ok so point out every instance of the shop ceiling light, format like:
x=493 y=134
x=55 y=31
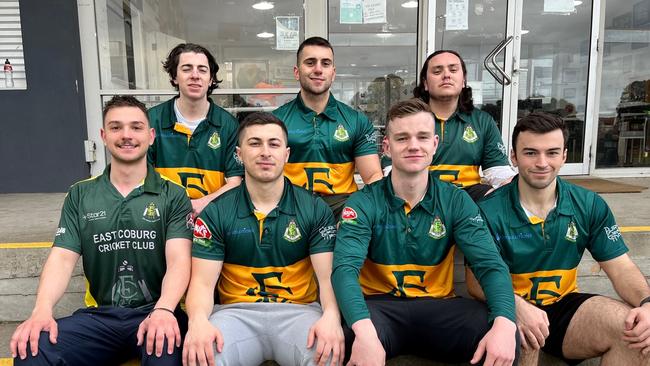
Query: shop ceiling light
x=263 y=5
x=524 y=31
x=265 y=35
x=384 y=35
x=410 y=4
x=577 y=3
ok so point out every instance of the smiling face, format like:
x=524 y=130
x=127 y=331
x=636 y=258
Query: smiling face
x=193 y=75
x=539 y=157
x=411 y=142
x=445 y=78
x=127 y=135
x=263 y=151
x=315 y=70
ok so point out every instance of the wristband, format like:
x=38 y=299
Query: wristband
x=172 y=311
x=647 y=299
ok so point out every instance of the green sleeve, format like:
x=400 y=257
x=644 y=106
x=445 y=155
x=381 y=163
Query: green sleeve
x=67 y=234
x=179 y=219
x=208 y=240
x=350 y=252
x=323 y=232
x=494 y=151
x=473 y=238
x=365 y=142
x=605 y=239
x=234 y=168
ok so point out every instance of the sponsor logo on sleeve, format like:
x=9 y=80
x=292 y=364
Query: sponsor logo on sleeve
x=349 y=216
x=502 y=148
x=60 y=231
x=292 y=233
x=613 y=233
x=214 y=142
x=202 y=234
x=189 y=221
x=469 y=135
x=476 y=219
x=151 y=213
x=237 y=159
x=328 y=232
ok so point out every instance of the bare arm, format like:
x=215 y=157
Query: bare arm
x=201 y=334
x=369 y=168
x=628 y=281
x=327 y=330
x=53 y=282
x=199 y=204
x=161 y=324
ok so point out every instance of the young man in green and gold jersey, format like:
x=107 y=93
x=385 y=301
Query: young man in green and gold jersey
x=394 y=258
x=132 y=229
x=195 y=143
x=469 y=138
x=267 y=247
x=542 y=225
x=328 y=139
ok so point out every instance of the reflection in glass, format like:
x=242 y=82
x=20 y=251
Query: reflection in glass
x=623 y=131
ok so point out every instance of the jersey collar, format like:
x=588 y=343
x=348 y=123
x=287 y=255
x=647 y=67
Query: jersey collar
x=331 y=111
x=285 y=206
x=563 y=206
x=170 y=119
x=152 y=181
x=462 y=117
x=396 y=203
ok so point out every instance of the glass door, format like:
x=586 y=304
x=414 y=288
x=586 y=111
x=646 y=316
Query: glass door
x=526 y=56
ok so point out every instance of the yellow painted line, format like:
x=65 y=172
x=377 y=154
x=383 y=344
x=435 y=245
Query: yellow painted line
x=46 y=244
x=43 y=244
x=634 y=229
x=6 y=361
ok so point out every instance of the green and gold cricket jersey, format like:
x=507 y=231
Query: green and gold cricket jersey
x=266 y=258
x=199 y=161
x=324 y=146
x=122 y=239
x=467 y=142
x=543 y=256
x=385 y=247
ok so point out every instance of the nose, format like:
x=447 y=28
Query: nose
x=412 y=144
x=318 y=67
x=195 y=73
x=542 y=160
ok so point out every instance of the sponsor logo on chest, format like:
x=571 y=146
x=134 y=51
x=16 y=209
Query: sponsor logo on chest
x=93 y=216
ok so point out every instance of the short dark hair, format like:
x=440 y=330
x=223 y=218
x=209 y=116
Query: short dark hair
x=539 y=122
x=406 y=108
x=170 y=65
x=465 y=101
x=123 y=101
x=313 y=41
x=261 y=118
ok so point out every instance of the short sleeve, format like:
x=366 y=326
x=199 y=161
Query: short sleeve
x=494 y=150
x=208 y=240
x=323 y=233
x=179 y=220
x=366 y=139
x=605 y=239
x=67 y=234
x=234 y=167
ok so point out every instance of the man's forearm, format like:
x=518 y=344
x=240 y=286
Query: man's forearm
x=55 y=277
x=173 y=287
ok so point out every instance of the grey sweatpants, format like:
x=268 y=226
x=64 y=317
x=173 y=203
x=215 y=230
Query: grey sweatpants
x=255 y=332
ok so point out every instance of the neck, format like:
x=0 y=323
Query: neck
x=193 y=109
x=315 y=102
x=410 y=187
x=445 y=107
x=265 y=195
x=125 y=177
x=538 y=201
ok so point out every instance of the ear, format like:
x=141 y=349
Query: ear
x=385 y=146
x=513 y=157
x=436 y=140
x=238 y=152
x=152 y=134
x=102 y=133
x=296 y=73
x=564 y=155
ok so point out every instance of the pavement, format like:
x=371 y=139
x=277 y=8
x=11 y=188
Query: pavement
x=28 y=223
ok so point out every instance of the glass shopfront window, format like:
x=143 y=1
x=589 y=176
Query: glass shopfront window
x=135 y=36
x=623 y=124
x=375 y=52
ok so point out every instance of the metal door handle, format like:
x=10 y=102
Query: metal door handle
x=491 y=57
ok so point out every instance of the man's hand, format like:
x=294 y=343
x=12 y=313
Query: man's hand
x=30 y=330
x=199 y=204
x=199 y=343
x=328 y=336
x=532 y=323
x=367 y=350
x=160 y=324
x=637 y=329
x=498 y=345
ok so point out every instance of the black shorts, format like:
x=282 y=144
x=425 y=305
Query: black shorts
x=559 y=316
x=477 y=191
x=444 y=330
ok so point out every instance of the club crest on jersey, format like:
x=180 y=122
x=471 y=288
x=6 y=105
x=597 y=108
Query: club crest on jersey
x=437 y=229
x=571 y=232
x=341 y=134
x=202 y=234
x=349 y=216
x=214 y=142
x=151 y=213
x=292 y=233
x=469 y=135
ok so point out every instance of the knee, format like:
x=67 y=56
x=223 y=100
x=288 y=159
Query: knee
x=164 y=359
